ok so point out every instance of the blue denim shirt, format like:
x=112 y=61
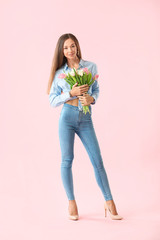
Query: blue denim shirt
x=59 y=85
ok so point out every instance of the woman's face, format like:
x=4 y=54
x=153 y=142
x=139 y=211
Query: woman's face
x=69 y=49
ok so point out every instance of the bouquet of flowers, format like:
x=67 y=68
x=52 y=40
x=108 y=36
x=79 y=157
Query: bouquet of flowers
x=81 y=76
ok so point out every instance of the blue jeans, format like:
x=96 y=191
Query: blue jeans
x=73 y=121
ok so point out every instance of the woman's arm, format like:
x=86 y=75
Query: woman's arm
x=95 y=86
x=95 y=91
x=91 y=98
x=55 y=96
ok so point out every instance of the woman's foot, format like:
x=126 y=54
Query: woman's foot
x=112 y=207
x=73 y=211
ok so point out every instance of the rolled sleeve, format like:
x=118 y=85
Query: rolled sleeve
x=55 y=96
x=95 y=86
x=95 y=91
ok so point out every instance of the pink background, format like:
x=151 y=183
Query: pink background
x=122 y=38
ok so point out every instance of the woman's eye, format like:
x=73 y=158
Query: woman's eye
x=72 y=46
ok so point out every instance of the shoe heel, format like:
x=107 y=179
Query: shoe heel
x=105 y=212
x=113 y=217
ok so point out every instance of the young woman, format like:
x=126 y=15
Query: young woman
x=72 y=120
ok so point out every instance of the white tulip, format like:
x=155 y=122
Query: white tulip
x=80 y=72
x=72 y=73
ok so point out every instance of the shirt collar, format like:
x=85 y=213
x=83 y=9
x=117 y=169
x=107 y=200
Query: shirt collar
x=81 y=64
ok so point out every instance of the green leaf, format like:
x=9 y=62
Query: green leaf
x=91 y=82
x=84 y=78
x=72 y=81
x=68 y=82
x=89 y=77
x=76 y=75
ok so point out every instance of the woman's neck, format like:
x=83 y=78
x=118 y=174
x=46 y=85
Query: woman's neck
x=73 y=63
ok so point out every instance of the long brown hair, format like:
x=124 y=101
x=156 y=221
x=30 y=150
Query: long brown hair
x=59 y=59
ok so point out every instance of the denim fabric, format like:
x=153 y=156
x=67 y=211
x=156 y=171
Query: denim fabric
x=73 y=121
x=56 y=97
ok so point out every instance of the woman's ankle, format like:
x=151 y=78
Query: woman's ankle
x=110 y=201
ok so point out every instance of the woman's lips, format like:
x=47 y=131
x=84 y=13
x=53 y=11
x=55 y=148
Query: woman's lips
x=71 y=54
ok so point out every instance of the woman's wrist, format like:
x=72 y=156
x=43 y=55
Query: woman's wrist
x=71 y=93
x=92 y=99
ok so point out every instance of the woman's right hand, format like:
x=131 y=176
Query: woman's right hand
x=76 y=91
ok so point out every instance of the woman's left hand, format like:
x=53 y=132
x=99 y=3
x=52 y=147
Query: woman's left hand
x=86 y=99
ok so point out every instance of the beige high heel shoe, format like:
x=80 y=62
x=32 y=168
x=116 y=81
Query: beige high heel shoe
x=73 y=217
x=114 y=217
